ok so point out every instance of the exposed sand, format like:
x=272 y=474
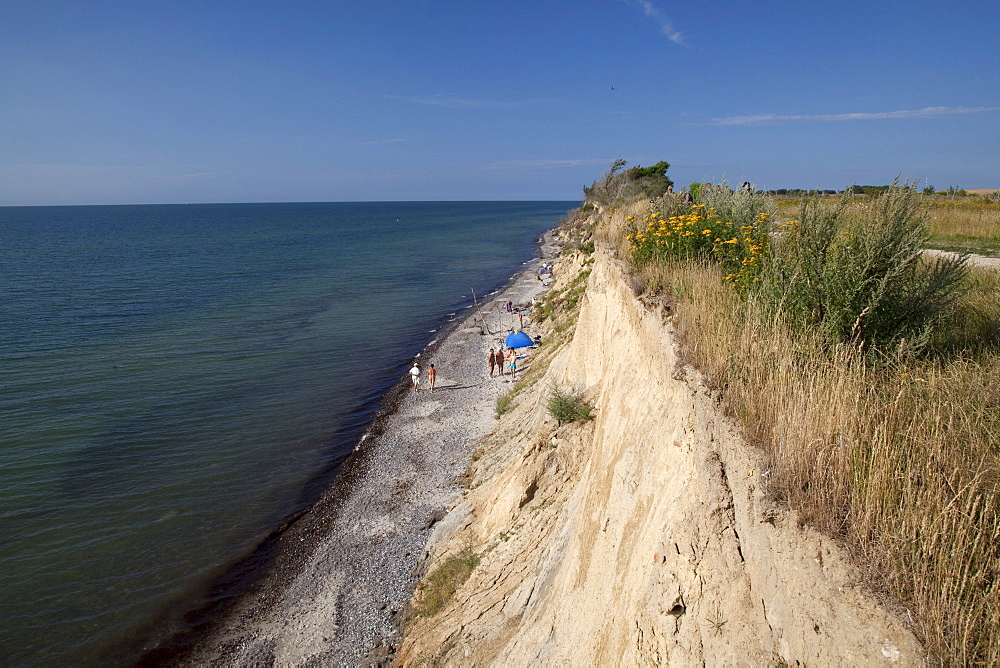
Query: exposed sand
x=644 y=536
x=343 y=572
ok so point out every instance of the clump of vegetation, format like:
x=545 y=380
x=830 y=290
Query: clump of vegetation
x=620 y=185
x=437 y=590
x=504 y=401
x=563 y=303
x=578 y=229
x=856 y=275
x=860 y=278
x=731 y=228
x=568 y=406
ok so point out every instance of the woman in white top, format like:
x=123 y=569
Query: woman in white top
x=415 y=376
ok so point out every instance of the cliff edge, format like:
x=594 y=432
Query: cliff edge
x=643 y=536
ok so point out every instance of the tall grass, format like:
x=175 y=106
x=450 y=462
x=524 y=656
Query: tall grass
x=896 y=454
x=972 y=223
x=968 y=223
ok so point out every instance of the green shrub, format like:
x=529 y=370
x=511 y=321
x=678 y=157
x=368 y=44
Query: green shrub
x=695 y=190
x=859 y=277
x=568 y=406
x=630 y=185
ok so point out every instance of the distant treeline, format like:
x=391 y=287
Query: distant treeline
x=953 y=191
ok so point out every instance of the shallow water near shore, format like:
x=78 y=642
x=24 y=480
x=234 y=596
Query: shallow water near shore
x=176 y=378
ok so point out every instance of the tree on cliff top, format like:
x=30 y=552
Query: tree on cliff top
x=618 y=186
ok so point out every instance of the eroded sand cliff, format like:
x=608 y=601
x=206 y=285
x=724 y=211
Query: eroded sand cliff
x=644 y=536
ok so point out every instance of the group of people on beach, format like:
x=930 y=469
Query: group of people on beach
x=497 y=359
x=415 y=376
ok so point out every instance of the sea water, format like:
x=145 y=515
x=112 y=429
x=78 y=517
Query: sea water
x=174 y=378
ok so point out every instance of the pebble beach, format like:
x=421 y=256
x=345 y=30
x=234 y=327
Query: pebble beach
x=336 y=580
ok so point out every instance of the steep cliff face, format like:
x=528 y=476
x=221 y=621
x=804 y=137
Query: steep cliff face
x=643 y=536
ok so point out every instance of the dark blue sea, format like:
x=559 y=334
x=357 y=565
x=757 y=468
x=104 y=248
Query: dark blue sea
x=173 y=378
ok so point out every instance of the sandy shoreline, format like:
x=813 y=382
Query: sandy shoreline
x=340 y=575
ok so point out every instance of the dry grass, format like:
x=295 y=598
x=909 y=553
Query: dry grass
x=435 y=592
x=899 y=457
x=972 y=224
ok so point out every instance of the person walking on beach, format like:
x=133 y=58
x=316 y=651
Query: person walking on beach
x=500 y=362
x=415 y=376
x=431 y=375
x=512 y=359
x=492 y=359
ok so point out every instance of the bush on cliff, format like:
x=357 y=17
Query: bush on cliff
x=618 y=186
x=729 y=227
x=568 y=406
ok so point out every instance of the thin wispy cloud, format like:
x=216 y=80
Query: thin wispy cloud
x=379 y=141
x=655 y=14
x=455 y=102
x=545 y=163
x=925 y=112
x=196 y=176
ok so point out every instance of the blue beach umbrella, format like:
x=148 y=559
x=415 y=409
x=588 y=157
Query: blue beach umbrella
x=518 y=340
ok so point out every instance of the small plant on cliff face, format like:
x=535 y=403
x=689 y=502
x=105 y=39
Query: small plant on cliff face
x=716 y=622
x=442 y=584
x=568 y=406
x=503 y=403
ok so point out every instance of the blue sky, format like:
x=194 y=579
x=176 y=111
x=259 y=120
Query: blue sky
x=146 y=102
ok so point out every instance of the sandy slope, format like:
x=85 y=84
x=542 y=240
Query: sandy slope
x=644 y=536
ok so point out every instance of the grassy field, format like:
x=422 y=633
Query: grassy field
x=892 y=449
x=958 y=224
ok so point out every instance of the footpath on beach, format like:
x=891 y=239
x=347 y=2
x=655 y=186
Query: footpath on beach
x=342 y=574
